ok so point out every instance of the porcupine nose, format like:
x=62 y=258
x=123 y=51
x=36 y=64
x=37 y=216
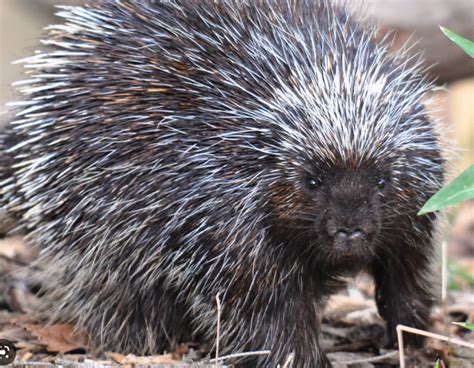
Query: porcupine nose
x=349 y=234
x=342 y=232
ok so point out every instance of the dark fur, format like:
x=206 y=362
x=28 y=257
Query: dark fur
x=155 y=174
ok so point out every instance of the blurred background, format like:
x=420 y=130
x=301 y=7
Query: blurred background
x=413 y=21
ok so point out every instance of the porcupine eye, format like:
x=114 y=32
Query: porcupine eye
x=312 y=183
x=381 y=183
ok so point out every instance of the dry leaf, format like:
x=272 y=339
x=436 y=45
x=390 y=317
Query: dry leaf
x=142 y=360
x=58 y=338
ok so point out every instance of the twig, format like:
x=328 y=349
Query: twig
x=240 y=355
x=218 y=302
x=416 y=331
x=218 y=359
x=401 y=348
x=444 y=271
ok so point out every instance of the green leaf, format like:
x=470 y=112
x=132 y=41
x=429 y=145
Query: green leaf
x=460 y=189
x=469 y=326
x=437 y=364
x=464 y=43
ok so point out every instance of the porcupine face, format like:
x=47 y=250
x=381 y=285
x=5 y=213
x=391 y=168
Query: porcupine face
x=336 y=213
x=345 y=213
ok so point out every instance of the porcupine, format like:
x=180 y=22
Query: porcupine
x=167 y=152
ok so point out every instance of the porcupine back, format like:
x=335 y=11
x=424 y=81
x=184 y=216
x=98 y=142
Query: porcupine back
x=153 y=138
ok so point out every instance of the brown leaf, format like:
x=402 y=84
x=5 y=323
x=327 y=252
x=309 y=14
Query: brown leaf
x=351 y=311
x=180 y=351
x=142 y=360
x=119 y=358
x=58 y=338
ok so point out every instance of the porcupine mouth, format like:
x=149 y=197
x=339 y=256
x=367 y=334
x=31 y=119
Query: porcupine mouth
x=355 y=250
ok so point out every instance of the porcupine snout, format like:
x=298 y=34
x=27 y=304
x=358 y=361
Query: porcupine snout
x=354 y=215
